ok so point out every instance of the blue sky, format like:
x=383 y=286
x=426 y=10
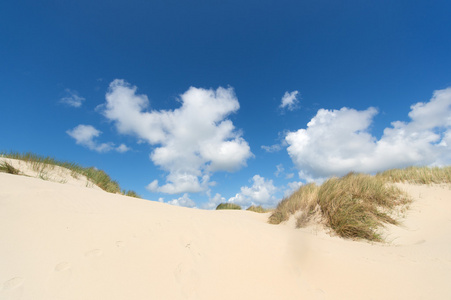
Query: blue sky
x=199 y=102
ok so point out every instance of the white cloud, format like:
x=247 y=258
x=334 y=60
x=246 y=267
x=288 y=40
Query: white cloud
x=336 y=142
x=122 y=148
x=184 y=201
x=192 y=141
x=85 y=135
x=260 y=193
x=290 y=100
x=72 y=98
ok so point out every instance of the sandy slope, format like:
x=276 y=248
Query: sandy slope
x=61 y=241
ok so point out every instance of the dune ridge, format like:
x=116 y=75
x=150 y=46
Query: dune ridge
x=66 y=241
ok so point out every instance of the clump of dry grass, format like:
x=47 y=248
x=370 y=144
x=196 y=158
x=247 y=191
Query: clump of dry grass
x=305 y=198
x=353 y=206
x=356 y=205
x=418 y=175
x=257 y=209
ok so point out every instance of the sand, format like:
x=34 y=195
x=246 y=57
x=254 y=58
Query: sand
x=67 y=241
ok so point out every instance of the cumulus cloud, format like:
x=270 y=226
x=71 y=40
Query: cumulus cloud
x=191 y=141
x=336 y=142
x=72 y=98
x=290 y=100
x=260 y=193
x=85 y=135
x=184 y=201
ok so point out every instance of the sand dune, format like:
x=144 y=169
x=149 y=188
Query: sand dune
x=66 y=241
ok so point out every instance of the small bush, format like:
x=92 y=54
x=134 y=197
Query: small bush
x=257 y=209
x=228 y=206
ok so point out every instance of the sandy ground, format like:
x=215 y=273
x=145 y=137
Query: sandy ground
x=66 y=241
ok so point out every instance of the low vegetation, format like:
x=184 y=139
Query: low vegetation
x=257 y=209
x=42 y=164
x=356 y=205
x=228 y=206
x=5 y=167
x=418 y=175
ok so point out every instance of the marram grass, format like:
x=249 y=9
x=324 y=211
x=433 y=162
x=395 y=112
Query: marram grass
x=418 y=175
x=41 y=164
x=257 y=209
x=356 y=205
x=228 y=206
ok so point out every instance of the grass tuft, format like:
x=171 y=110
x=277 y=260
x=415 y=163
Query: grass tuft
x=257 y=209
x=131 y=194
x=228 y=206
x=356 y=205
x=353 y=206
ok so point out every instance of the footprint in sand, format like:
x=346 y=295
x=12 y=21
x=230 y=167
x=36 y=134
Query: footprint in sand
x=62 y=266
x=94 y=253
x=13 y=283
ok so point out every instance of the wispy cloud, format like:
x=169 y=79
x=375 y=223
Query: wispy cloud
x=336 y=142
x=260 y=193
x=72 y=98
x=272 y=148
x=192 y=141
x=85 y=135
x=290 y=100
